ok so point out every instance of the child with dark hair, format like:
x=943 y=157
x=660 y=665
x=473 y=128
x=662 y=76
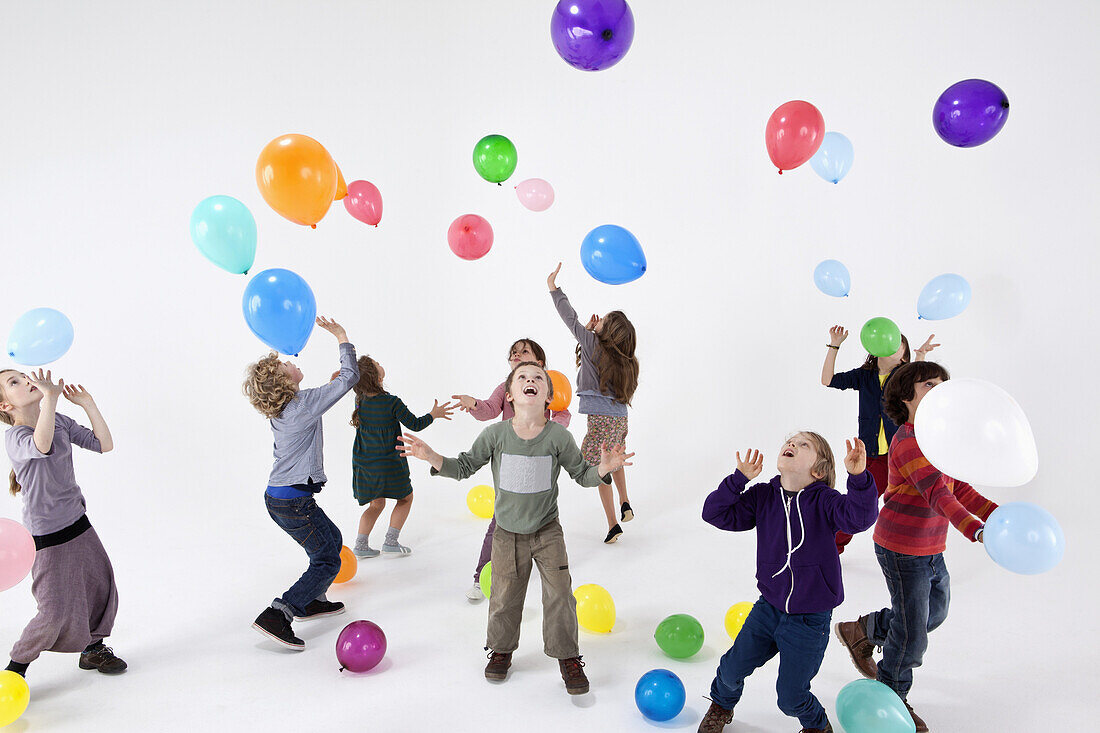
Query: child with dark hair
x=910 y=538
x=876 y=428
x=377 y=471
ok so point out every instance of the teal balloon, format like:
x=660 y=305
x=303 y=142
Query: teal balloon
x=679 y=636
x=868 y=706
x=40 y=336
x=833 y=159
x=225 y=232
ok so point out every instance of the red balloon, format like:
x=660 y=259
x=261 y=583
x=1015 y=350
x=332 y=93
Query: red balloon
x=364 y=202
x=794 y=133
x=470 y=237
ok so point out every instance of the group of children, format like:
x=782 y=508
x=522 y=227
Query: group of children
x=803 y=523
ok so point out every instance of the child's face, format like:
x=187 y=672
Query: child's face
x=18 y=392
x=529 y=387
x=920 y=389
x=292 y=371
x=797 y=456
x=521 y=352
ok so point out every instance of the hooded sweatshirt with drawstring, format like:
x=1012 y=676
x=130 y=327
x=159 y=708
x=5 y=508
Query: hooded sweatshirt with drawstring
x=797 y=564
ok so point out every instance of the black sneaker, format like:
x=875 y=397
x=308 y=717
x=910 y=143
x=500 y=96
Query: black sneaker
x=101 y=657
x=613 y=535
x=320 y=609
x=273 y=624
x=625 y=512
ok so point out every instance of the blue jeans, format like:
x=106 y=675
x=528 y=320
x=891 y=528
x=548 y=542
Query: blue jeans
x=799 y=639
x=920 y=593
x=311 y=528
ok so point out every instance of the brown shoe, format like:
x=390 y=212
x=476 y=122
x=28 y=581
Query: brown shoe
x=576 y=683
x=827 y=729
x=101 y=657
x=922 y=727
x=497 y=668
x=716 y=718
x=853 y=635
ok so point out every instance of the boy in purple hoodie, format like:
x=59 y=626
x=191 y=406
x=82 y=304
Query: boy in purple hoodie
x=796 y=515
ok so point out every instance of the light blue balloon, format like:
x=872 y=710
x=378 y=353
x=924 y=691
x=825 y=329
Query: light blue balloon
x=945 y=296
x=280 y=309
x=224 y=230
x=1024 y=538
x=660 y=695
x=831 y=277
x=612 y=255
x=40 y=336
x=868 y=706
x=833 y=159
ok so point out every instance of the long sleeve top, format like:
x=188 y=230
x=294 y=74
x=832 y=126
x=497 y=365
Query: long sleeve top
x=496 y=404
x=592 y=400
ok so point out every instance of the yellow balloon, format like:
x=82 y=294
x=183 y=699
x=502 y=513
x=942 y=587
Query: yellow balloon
x=595 y=608
x=14 y=696
x=480 y=501
x=735 y=617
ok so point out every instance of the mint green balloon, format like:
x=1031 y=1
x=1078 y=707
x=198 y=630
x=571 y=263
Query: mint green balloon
x=868 y=706
x=485 y=580
x=881 y=337
x=495 y=158
x=679 y=636
x=223 y=229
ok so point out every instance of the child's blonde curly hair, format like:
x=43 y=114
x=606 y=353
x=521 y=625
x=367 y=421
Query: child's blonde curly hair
x=268 y=387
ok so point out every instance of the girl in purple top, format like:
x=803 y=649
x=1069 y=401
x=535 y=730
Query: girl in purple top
x=74 y=584
x=521 y=351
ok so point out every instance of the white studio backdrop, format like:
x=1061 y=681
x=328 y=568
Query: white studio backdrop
x=119 y=117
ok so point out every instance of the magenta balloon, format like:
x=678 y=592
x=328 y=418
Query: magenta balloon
x=360 y=646
x=364 y=202
x=16 y=553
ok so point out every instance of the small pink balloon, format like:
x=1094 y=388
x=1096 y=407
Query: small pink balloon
x=470 y=237
x=535 y=194
x=360 y=646
x=16 y=553
x=364 y=202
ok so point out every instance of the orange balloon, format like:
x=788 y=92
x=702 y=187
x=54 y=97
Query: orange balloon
x=298 y=178
x=348 y=566
x=563 y=392
x=341 y=185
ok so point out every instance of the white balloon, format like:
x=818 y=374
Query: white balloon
x=974 y=431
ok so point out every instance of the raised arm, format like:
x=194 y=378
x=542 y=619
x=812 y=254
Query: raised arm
x=99 y=438
x=486 y=409
x=584 y=337
x=318 y=400
x=837 y=334
x=464 y=466
x=44 y=428
x=925 y=349
x=730 y=506
x=857 y=510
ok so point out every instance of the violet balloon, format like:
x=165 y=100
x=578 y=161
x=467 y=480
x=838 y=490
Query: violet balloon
x=592 y=35
x=360 y=646
x=535 y=194
x=970 y=113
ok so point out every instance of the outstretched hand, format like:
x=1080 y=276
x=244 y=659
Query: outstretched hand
x=465 y=402
x=752 y=465
x=78 y=395
x=550 y=281
x=45 y=384
x=614 y=459
x=411 y=446
x=442 y=411
x=332 y=327
x=926 y=348
x=837 y=334
x=856 y=460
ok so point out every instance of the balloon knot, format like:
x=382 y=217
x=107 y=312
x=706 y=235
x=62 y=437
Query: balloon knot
x=1004 y=104
x=780 y=171
x=312 y=226
x=607 y=34
x=341 y=669
x=500 y=184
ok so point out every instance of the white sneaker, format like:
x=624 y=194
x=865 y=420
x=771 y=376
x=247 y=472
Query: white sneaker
x=397 y=550
x=474 y=594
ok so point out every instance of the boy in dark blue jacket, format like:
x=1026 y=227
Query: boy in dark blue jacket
x=797 y=515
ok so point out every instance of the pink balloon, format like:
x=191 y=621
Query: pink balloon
x=535 y=194
x=470 y=237
x=16 y=553
x=360 y=646
x=364 y=202
x=794 y=133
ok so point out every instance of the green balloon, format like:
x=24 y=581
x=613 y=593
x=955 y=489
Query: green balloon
x=881 y=337
x=485 y=580
x=679 y=636
x=495 y=158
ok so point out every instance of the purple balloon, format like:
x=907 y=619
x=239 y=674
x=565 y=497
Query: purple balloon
x=970 y=113
x=592 y=35
x=360 y=646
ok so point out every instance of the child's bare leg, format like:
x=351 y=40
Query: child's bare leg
x=401 y=512
x=370 y=516
x=608 y=500
x=619 y=477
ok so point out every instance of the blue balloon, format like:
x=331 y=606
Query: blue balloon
x=280 y=309
x=831 y=277
x=868 y=706
x=612 y=255
x=1024 y=538
x=223 y=229
x=945 y=296
x=660 y=695
x=40 y=336
x=833 y=159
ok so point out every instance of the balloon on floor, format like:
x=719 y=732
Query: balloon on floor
x=660 y=695
x=970 y=113
x=880 y=336
x=945 y=296
x=833 y=159
x=973 y=431
x=14 y=696
x=360 y=646
x=16 y=553
x=480 y=500
x=563 y=391
x=595 y=608
x=793 y=134
x=831 y=277
x=535 y=194
x=612 y=255
x=868 y=706
x=680 y=636
x=495 y=158
x=592 y=35
x=349 y=565
x=1024 y=538
x=40 y=336
x=735 y=618
x=470 y=237
x=280 y=309
x=364 y=202
x=225 y=232
x=485 y=579
x=297 y=178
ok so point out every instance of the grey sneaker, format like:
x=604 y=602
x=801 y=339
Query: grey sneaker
x=397 y=550
x=474 y=594
x=363 y=551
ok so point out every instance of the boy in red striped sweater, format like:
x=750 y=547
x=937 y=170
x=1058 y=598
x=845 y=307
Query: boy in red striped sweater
x=910 y=537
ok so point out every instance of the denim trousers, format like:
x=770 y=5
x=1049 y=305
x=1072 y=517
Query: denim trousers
x=799 y=639
x=311 y=528
x=920 y=593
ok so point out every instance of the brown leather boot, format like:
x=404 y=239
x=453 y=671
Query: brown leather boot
x=853 y=635
x=827 y=729
x=716 y=719
x=922 y=727
x=576 y=683
x=497 y=668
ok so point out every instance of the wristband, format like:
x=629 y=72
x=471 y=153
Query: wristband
x=830 y=346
